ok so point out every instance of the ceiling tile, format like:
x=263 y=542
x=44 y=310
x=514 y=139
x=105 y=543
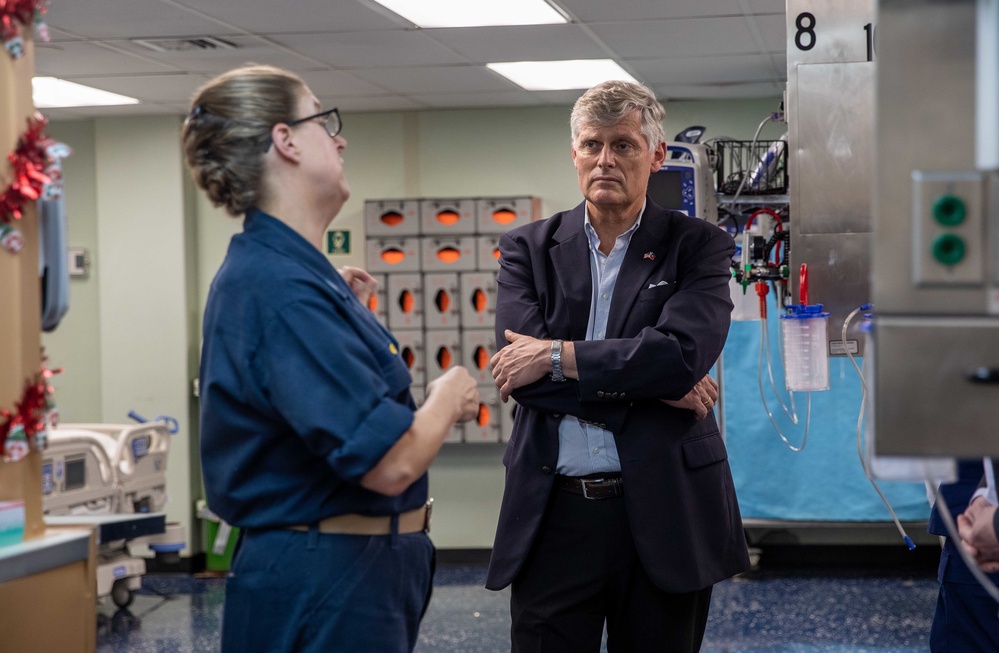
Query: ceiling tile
x=75 y=113
x=564 y=98
x=249 y=49
x=773 y=29
x=338 y=84
x=719 y=91
x=300 y=16
x=359 y=56
x=595 y=11
x=149 y=88
x=127 y=19
x=704 y=70
x=68 y=58
x=522 y=43
x=445 y=79
x=370 y=49
x=373 y=103
x=678 y=38
x=470 y=100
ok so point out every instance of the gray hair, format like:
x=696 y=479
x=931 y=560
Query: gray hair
x=226 y=134
x=609 y=102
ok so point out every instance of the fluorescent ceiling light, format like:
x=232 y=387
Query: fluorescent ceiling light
x=49 y=92
x=474 y=13
x=560 y=75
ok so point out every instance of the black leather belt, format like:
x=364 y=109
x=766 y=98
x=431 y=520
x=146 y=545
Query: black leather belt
x=597 y=487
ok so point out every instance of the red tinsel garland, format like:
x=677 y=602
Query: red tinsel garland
x=27 y=426
x=21 y=10
x=13 y=14
x=28 y=161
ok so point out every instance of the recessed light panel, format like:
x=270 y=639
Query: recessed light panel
x=474 y=13
x=51 y=92
x=560 y=75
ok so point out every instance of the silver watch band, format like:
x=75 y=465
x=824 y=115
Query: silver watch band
x=557 y=374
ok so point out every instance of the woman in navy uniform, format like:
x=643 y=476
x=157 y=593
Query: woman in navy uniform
x=310 y=440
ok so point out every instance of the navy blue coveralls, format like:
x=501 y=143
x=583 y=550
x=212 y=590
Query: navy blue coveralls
x=302 y=393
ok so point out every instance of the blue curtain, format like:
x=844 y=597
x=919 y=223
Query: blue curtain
x=825 y=481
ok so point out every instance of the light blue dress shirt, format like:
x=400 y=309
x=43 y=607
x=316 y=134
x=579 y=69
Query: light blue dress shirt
x=585 y=448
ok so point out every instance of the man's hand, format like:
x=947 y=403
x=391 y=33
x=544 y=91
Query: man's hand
x=700 y=399
x=362 y=283
x=522 y=362
x=978 y=535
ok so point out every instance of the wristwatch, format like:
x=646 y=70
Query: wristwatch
x=557 y=361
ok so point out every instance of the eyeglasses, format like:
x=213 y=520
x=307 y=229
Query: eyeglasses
x=330 y=120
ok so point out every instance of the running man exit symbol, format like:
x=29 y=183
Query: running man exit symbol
x=338 y=242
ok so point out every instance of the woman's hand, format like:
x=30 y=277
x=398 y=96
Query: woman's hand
x=457 y=386
x=362 y=283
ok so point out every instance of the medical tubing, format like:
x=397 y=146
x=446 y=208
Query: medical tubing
x=793 y=413
x=765 y=338
x=808 y=409
x=752 y=147
x=860 y=420
x=846 y=325
x=944 y=510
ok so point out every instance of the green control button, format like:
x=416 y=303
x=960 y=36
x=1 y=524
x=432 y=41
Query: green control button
x=948 y=249
x=949 y=210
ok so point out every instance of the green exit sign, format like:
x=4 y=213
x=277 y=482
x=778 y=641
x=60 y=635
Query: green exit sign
x=338 y=242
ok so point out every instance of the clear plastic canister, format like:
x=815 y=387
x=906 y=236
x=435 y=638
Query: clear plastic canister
x=806 y=360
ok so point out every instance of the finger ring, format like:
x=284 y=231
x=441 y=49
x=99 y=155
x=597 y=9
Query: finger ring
x=707 y=402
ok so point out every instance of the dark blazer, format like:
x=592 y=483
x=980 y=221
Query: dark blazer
x=661 y=339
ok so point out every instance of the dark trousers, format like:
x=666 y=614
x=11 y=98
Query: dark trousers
x=583 y=571
x=966 y=618
x=307 y=592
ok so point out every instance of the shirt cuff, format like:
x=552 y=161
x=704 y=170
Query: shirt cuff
x=371 y=440
x=981 y=492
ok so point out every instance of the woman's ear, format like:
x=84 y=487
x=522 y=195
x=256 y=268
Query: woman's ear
x=284 y=143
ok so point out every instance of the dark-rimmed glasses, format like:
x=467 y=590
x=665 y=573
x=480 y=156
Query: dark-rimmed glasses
x=330 y=120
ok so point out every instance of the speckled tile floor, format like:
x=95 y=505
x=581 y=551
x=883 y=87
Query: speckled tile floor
x=775 y=612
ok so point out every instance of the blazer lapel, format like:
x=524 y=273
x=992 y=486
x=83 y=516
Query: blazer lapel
x=645 y=254
x=571 y=261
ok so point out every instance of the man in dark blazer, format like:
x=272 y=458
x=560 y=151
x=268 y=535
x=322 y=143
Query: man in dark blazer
x=619 y=505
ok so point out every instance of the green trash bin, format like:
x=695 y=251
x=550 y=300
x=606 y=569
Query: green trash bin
x=219 y=540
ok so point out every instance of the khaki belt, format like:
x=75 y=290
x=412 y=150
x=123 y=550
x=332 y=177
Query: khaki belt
x=414 y=521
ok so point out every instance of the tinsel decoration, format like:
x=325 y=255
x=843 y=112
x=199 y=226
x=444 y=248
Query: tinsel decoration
x=16 y=14
x=27 y=427
x=36 y=167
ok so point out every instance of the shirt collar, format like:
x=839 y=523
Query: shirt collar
x=591 y=233
x=271 y=232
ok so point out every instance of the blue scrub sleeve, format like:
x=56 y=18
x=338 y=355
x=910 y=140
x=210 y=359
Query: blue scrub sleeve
x=339 y=389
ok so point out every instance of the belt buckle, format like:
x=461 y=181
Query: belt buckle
x=586 y=484
x=427 y=515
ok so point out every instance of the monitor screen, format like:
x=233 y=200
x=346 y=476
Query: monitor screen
x=666 y=188
x=76 y=474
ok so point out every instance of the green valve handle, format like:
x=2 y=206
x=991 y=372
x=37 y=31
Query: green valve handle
x=948 y=249
x=949 y=210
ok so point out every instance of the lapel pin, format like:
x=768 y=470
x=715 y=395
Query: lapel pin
x=650 y=255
